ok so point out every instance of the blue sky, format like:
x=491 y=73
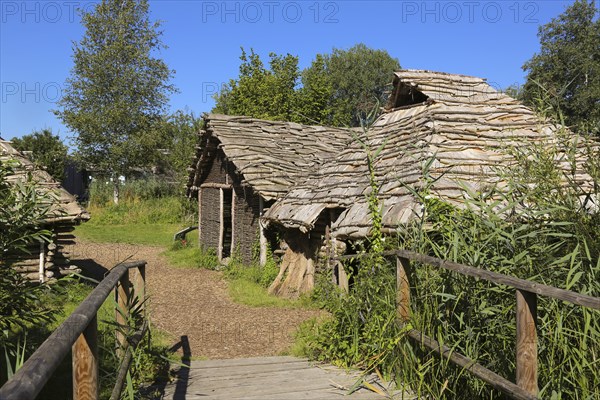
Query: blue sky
x=490 y=39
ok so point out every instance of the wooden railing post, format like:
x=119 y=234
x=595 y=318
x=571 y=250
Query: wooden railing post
x=139 y=285
x=121 y=296
x=402 y=289
x=527 y=363
x=85 y=363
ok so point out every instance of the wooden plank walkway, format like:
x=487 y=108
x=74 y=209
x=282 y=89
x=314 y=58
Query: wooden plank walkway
x=280 y=378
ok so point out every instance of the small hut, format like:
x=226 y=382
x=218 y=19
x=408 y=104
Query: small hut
x=459 y=123
x=241 y=167
x=45 y=260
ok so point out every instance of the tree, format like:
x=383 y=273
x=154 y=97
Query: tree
x=356 y=80
x=338 y=89
x=118 y=91
x=566 y=71
x=47 y=150
x=179 y=138
x=260 y=92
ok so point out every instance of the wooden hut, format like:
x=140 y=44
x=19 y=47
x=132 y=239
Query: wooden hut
x=242 y=166
x=46 y=260
x=460 y=123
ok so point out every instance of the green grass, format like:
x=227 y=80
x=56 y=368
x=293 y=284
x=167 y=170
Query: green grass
x=146 y=234
x=252 y=294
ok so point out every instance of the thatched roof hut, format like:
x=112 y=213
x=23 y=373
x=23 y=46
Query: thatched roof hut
x=460 y=122
x=242 y=165
x=62 y=218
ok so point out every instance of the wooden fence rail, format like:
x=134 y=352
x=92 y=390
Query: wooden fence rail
x=526 y=292
x=79 y=334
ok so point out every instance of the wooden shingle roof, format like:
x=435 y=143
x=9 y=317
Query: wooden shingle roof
x=65 y=209
x=271 y=156
x=460 y=124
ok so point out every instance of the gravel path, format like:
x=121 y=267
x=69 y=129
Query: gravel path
x=194 y=307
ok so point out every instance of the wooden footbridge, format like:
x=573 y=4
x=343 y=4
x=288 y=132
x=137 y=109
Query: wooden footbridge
x=278 y=377
x=275 y=378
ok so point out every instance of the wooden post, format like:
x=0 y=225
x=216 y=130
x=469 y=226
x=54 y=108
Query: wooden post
x=139 y=285
x=402 y=289
x=200 y=217
x=121 y=296
x=221 y=222
x=343 y=278
x=42 y=261
x=232 y=247
x=262 y=237
x=527 y=341
x=85 y=363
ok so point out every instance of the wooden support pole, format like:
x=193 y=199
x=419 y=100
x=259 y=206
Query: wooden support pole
x=221 y=223
x=121 y=296
x=402 y=289
x=200 y=217
x=232 y=246
x=85 y=363
x=527 y=374
x=261 y=232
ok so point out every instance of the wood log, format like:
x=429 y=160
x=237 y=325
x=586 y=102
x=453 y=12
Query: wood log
x=26 y=269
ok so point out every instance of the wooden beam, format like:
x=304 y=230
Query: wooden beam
x=221 y=223
x=85 y=363
x=501 y=279
x=212 y=185
x=402 y=289
x=527 y=364
x=261 y=232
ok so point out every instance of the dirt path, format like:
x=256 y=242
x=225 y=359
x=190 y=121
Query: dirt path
x=194 y=307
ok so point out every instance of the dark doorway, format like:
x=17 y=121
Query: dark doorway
x=227 y=223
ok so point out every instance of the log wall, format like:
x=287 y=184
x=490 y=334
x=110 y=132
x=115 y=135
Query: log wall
x=55 y=257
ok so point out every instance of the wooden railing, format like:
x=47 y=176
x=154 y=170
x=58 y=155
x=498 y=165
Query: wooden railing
x=526 y=386
x=79 y=334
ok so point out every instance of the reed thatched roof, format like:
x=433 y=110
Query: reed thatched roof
x=459 y=123
x=270 y=156
x=65 y=209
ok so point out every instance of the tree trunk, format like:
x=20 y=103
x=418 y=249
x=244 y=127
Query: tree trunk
x=297 y=271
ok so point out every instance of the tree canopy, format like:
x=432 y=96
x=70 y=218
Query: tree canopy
x=566 y=71
x=118 y=91
x=261 y=92
x=47 y=150
x=336 y=89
